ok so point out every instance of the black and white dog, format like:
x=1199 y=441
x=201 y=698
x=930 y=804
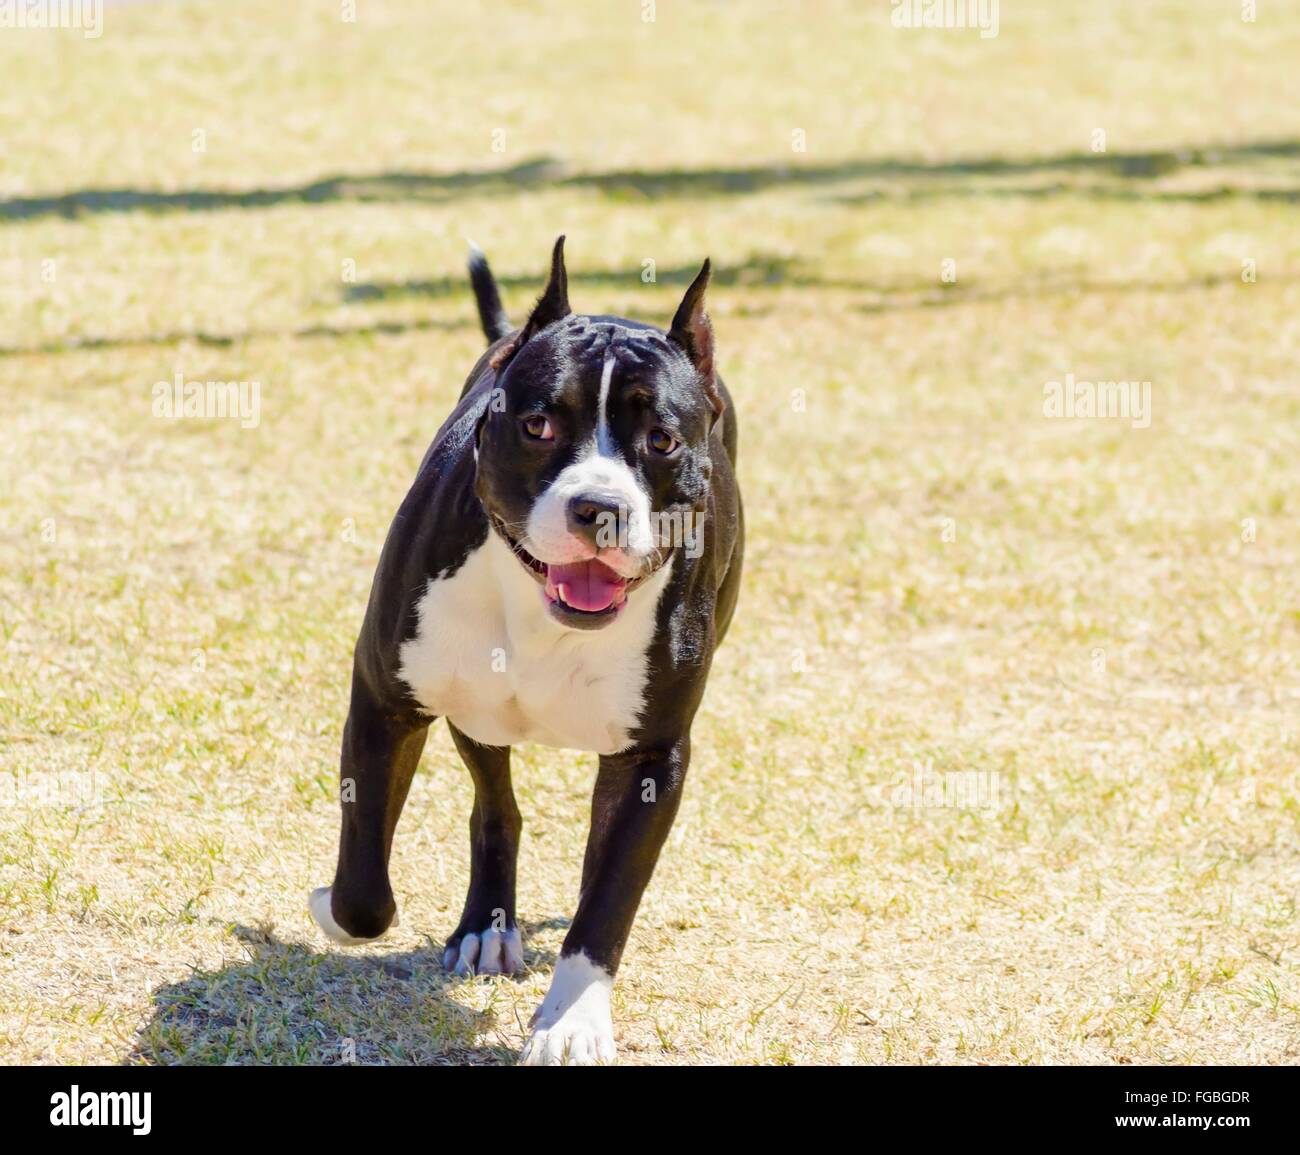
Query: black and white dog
x=560 y=572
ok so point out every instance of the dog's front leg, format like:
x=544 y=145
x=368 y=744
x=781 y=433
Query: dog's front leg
x=632 y=810
x=380 y=754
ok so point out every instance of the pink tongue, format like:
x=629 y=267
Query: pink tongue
x=585 y=585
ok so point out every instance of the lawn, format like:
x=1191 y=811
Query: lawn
x=1000 y=762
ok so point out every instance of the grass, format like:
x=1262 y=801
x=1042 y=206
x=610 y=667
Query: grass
x=1095 y=625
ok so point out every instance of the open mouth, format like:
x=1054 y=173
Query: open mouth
x=590 y=587
x=587 y=587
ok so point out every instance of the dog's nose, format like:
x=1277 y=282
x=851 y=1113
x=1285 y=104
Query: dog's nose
x=595 y=517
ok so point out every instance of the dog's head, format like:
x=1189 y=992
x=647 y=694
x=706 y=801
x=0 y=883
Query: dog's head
x=592 y=455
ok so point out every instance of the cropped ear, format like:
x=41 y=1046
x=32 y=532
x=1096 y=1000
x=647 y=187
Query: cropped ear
x=692 y=330
x=552 y=306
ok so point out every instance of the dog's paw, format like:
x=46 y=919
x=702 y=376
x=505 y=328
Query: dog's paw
x=319 y=904
x=573 y=1027
x=489 y=952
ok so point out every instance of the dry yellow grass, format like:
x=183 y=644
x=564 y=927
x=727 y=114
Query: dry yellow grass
x=1097 y=625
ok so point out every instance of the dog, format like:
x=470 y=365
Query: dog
x=561 y=571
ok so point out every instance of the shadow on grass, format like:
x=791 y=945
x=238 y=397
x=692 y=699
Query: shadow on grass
x=288 y=1005
x=902 y=300
x=1108 y=177
x=772 y=272
x=391 y=186
x=758 y=270
x=1102 y=192
x=549 y=173
x=225 y=340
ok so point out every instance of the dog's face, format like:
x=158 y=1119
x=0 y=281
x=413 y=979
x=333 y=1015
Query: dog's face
x=593 y=457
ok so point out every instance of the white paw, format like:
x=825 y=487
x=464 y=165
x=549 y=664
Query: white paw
x=492 y=952
x=572 y=1027
x=319 y=904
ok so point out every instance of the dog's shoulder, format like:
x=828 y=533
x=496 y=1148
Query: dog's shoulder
x=438 y=527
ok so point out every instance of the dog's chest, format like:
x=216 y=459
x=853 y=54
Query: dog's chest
x=488 y=657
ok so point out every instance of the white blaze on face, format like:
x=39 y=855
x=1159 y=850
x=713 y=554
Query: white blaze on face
x=599 y=470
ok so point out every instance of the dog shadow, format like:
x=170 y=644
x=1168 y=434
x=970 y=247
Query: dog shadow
x=286 y=1004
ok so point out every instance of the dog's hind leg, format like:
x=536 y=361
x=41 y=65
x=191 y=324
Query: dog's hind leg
x=487 y=940
x=380 y=754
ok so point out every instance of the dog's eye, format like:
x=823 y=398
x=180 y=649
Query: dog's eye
x=661 y=441
x=538 y=428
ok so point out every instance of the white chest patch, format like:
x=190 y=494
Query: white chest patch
x=488 y=657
